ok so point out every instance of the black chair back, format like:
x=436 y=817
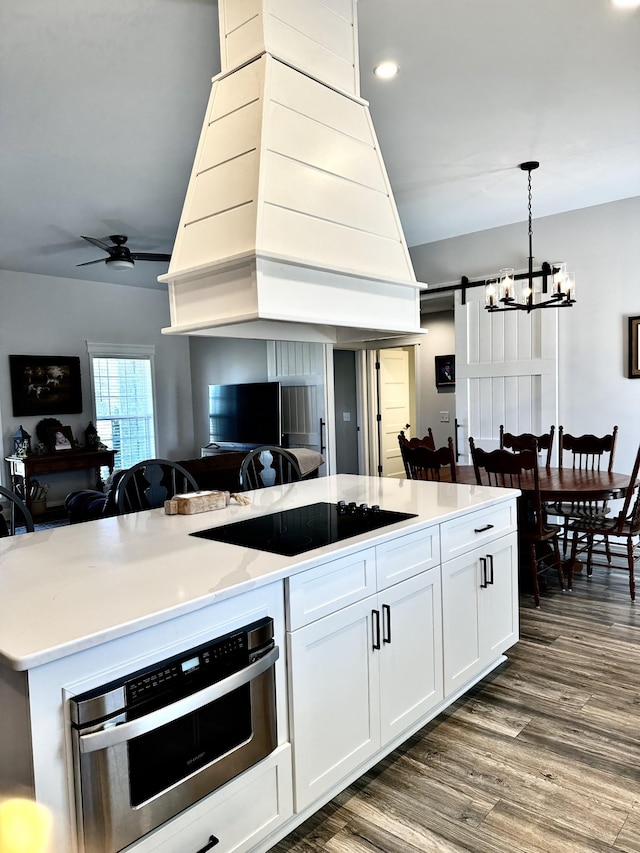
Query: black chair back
x=268 y=466
x=18 y=514
x=148 y=484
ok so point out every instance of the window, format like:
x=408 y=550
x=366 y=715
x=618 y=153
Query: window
x=122 y=383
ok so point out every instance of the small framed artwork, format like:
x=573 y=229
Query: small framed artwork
x=45 y=384
x=445 y=371
x=60 y=438
x=634 y=347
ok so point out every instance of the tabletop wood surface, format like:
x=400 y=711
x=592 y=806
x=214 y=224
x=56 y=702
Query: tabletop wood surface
x=566 y=483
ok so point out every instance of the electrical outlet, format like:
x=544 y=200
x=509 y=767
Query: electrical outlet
x=346 y=416
x=444 y=417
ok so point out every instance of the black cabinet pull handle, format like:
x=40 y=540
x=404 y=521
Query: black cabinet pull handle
x=490 y=558
x=386 y=623
x=482 y=529
x=483 y=582
x=211 y=843
x=375 y=629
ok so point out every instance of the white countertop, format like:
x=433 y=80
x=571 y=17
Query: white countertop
x=71 y=588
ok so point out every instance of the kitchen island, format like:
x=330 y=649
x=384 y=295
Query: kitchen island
x=84 y=605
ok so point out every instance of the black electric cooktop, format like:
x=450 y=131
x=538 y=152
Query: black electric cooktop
x=294 y=531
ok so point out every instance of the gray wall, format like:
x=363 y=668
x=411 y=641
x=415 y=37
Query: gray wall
x=601 y=245
x=430 y=401
x=42 y=315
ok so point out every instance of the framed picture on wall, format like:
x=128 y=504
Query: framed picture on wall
x=634 y=347
x=445 y=371
x=45 y=384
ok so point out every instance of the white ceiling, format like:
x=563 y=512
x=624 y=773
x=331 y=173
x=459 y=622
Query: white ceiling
x=101 y=104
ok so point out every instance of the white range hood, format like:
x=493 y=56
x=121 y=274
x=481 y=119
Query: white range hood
x=289 y=230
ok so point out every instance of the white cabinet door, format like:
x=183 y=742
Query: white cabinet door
x=480 y=609
x=500 y=624
x=461 y=620
x=411 y=652
x=334 y=699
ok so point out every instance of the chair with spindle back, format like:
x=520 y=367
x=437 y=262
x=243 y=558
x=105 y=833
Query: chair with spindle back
x=427 y=441
x=583 y=453
x=625 y=526
x=537 y=539
x=423 y=463
x=528 y=441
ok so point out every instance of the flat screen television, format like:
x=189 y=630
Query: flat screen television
x=245 y=415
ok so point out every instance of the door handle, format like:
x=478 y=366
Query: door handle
x=211 y=843
x=117 y=731
x=483 y=566
x=375 y=629
x=323 y=446
x=456 y=426
x=490 y=558
x=386 y=623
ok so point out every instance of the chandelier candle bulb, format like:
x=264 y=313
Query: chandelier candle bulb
x=507 y=283
x=570 y=286
x=490 y=294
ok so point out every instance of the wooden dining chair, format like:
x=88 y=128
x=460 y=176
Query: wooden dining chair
x=19 y=515
x=529 y=441
x=148 y=484
x=427 y=441
x=583 y=453
x=423 y=463
x=268 y=466
x=624 y=529
x=538 y=540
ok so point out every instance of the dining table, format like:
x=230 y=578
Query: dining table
x=565 y=484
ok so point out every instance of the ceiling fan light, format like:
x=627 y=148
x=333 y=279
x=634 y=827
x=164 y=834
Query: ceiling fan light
x=120 y=263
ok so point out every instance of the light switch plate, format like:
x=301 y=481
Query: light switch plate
x=444 y=417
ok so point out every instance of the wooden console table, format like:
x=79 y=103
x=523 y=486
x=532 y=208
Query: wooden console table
x=23 y=469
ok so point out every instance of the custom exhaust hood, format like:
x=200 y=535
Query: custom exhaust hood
x=289 y=230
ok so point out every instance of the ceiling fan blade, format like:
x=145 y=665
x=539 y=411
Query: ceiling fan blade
x=87 y=263
x=99 y=243
x=149 y=256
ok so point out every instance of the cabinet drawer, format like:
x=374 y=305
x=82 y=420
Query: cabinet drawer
x=470 y=531
x=407 y=556
x=329 y=587
x=241 y=814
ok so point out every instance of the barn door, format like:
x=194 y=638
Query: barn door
x=301 y=368
x=506 y=372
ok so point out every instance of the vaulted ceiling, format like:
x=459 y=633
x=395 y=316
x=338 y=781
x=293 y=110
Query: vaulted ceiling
x=101 y=105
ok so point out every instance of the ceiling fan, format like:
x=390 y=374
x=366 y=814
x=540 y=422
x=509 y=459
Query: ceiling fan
x=120 y=256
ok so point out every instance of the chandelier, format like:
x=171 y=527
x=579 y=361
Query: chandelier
x=513 y=291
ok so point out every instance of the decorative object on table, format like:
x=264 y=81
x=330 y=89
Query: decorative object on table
x=61 y=438
x=43 y=384
x=196 y=502
x=445 y=371
x=21 y=442
x=42 y=431
x=501 y=293
x=91 y=437
x=634 y=347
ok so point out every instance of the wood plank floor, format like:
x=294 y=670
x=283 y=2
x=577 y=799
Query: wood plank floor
x=541 y=757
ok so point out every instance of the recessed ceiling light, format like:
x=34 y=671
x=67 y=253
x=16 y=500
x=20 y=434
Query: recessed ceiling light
x=386 y=70
x=626 y=4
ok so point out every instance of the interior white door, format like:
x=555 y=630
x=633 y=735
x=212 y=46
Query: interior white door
x=506 y=372
x=394 y=387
